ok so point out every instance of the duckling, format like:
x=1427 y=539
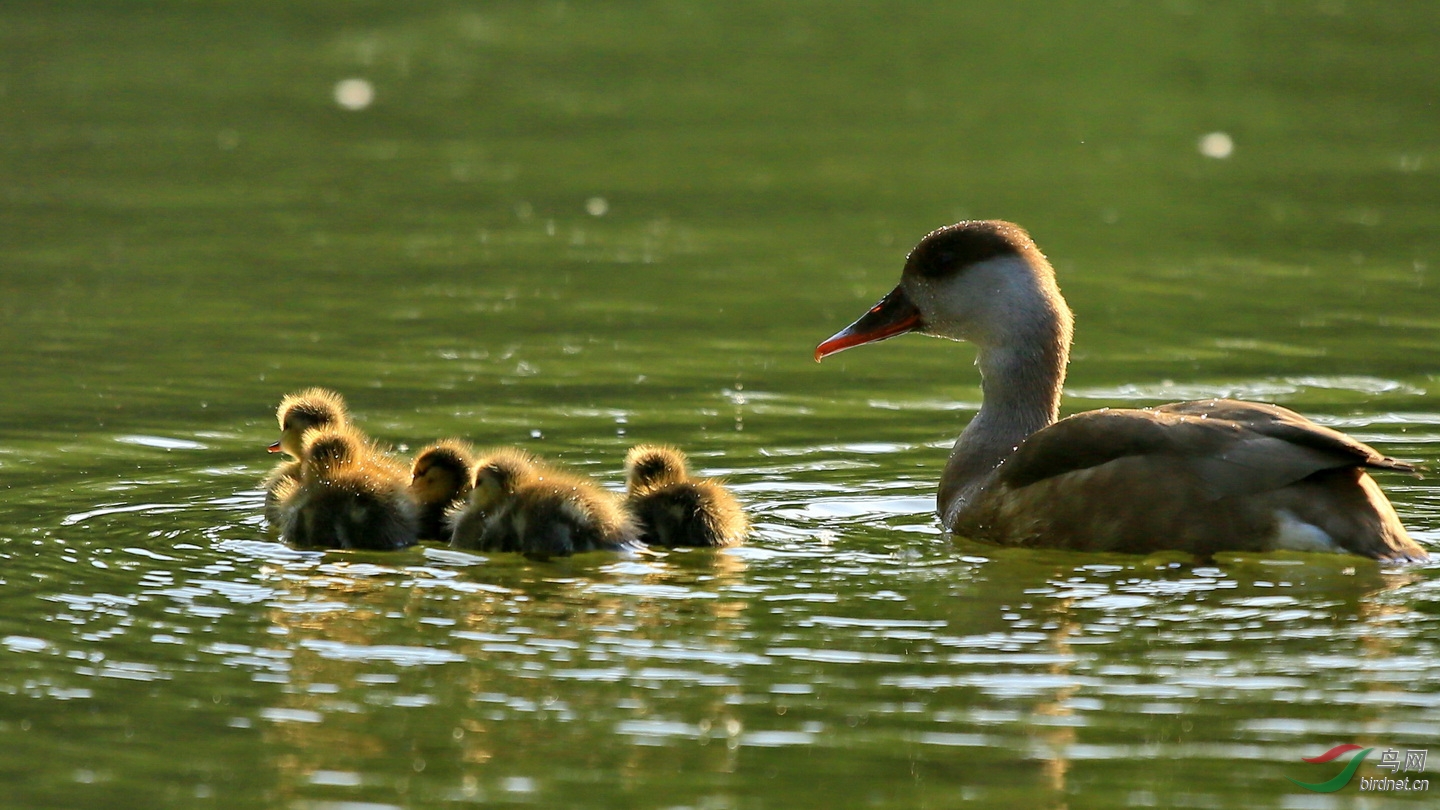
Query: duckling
x=349 y=495
x=494 y=481
x=521 y=504
x=311 y=408
x=674 y=509
x=298 y=412
x=440 y=478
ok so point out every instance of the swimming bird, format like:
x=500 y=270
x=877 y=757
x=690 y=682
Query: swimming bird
x=349 y=495
x=440 y=478
x=298 y=412
x=303 y=410
x=522 y=504
x=1202 y=476
x=674 y=509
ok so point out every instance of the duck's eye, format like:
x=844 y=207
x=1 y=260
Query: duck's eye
x=938 y=262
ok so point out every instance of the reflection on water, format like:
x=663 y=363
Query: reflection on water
x=578 y=227
x=437 y=676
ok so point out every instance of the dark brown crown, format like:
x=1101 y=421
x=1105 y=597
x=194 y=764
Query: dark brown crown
x=954 y=247
x=328 y=447
x=508 y=467
x=451 y=456
x=649 y=465
x=313 y=407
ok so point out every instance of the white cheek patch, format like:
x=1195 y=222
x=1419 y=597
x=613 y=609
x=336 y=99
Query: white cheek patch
x=1293 y=534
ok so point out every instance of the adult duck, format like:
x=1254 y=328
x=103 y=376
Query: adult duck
x=1204 y=476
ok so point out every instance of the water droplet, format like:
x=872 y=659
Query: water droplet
x=354 y=94
x=1216 y=145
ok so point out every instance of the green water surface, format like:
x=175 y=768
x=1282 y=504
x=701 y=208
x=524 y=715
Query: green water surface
x=575 y=226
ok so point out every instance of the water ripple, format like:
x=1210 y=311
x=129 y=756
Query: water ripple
x=394 y=654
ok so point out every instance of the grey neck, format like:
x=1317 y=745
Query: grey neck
x=1021 y=396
